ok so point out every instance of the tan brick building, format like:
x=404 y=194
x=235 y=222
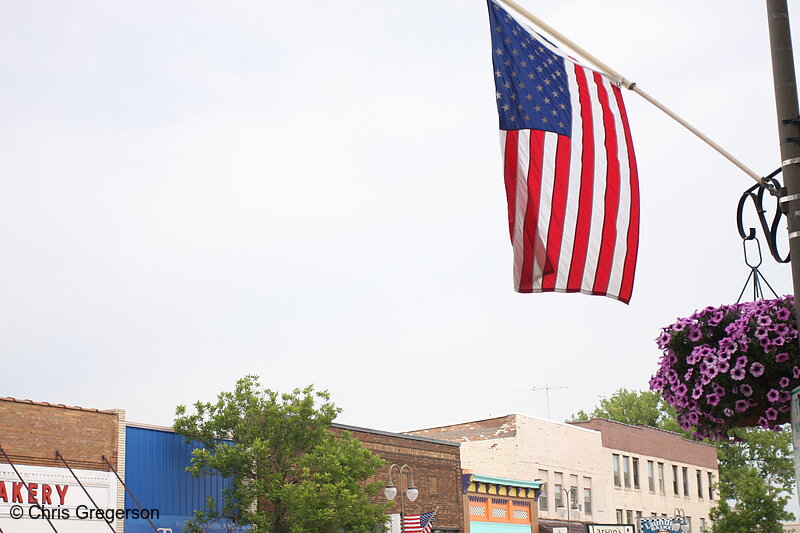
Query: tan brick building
x=605 y=471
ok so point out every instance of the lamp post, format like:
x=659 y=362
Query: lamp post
x=679 y=521
x=411 y=490
x=571 y=504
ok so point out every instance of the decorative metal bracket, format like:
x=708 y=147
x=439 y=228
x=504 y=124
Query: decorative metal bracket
x=770 y=230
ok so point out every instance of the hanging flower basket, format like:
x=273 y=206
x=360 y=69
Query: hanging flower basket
x=730 y=366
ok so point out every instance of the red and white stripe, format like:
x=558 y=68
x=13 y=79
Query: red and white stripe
x=573 y=202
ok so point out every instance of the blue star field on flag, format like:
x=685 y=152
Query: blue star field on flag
x=530 y=80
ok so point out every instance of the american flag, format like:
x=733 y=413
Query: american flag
x=569 y=167
x=419 y=523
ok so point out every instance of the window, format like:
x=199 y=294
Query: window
x=629 y=517
x=635 y=472
x=558 y=487
x=626 y=471
x=689 y=523
x=675 y=482
x=543 y=503
x=700 y=484
x=619 y=516
x=615 y=467
x=587 y=501
x=651 y=478
x=638 y=520
x=710 y=485
x=543 y=500
x=685 y=481
x=661 y=478
x=702 y=524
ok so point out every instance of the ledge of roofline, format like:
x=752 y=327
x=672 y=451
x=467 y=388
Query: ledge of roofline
x=399 y=435
x=334 y=425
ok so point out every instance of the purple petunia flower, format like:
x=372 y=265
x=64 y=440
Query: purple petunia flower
x=728 y=412
x=795 y=372
x=783 y=382
x=783 y=314
x=756 y=369
x=738 y=373
x=785 y=397
x=741 y=360
x=695 y=334
x=746 y=389
x=773 y=396
x=741 y=406
x=781 y=357
x=723 y=366
x=712 y=399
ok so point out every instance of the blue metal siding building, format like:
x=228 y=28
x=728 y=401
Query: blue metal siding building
x=155 y=472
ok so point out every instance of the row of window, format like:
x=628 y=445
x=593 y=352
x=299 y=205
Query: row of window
x=628 y=519
x=571 y=497
x=626 y=469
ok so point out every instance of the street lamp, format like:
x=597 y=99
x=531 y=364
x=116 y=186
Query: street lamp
x=391 y=491
x=571 y=504
x=679 y=521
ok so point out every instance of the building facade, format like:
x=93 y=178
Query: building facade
x=57 y=468
x=499 y=505
x=654 y=472
x=594 y=472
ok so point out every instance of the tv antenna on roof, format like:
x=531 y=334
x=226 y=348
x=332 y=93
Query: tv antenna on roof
x=546 y=389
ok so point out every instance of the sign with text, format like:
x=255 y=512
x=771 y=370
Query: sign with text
x=610 y=528
x=657 y=525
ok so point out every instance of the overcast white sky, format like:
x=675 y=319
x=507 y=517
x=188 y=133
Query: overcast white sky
x=312 y=192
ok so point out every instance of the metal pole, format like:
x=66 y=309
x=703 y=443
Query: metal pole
x=784 y=80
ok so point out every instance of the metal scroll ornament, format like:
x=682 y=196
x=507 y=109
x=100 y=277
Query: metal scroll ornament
x=770 y=229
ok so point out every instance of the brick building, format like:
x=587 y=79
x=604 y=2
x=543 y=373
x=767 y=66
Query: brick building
x=48 y=452
x=653 y=472
x=601 y=471
x=436 y=467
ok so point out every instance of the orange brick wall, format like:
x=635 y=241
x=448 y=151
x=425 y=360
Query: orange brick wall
x=31 y=433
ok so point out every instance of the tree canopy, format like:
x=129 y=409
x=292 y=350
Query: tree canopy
x=288 y=471
x=755 y=467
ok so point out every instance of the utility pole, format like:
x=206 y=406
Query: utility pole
x=785 y=82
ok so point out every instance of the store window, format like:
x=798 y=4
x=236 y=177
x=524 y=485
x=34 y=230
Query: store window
x=587 y=501
x=619 y=516
x=615 y=467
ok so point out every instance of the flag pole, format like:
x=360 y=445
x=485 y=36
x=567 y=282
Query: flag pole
x=630 y=85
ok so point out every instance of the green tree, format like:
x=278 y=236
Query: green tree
x=289 y=473
x=755 y=468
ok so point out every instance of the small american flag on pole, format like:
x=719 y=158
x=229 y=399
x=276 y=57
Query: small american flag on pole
x=569 y=167
x=419 y=523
